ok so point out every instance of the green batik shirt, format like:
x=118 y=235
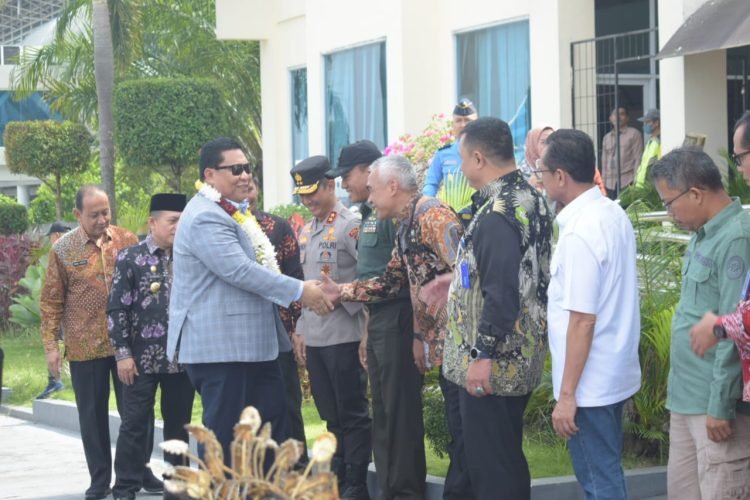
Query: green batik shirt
x=519 y=352
x=713 y=272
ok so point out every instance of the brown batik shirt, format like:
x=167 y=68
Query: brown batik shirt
x=76 y=290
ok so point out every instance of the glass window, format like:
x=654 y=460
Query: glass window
x=300 y=147
x=300 y=137
x=355 y=92
x=493 y=71
x=31 y=108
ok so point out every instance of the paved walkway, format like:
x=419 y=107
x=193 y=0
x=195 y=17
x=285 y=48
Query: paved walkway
x=37 y=461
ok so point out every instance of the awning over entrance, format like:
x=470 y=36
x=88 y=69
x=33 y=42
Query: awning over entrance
x=717 y=24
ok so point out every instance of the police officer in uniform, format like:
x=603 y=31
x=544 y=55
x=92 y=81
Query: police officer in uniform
x=329 y=345
x=395 y=381
x=446 y=163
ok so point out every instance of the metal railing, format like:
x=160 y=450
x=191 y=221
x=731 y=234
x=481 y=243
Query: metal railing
x=667 y=235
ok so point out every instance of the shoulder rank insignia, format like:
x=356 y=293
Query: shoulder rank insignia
x=331 y=218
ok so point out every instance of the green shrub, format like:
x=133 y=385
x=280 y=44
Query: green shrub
x=160 y=125
x=291 y=209
x=5 y=200
x=14 y=219
x=48 y=150
x=435 y=421
x=25 y=309
x=15 y=251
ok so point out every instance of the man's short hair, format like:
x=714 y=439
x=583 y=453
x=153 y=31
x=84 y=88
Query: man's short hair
x=86 y=190
x=744 y=121
x=685 y=168
x=212 y=153
x=396 y=167
x=572 y=151
x=491 y=137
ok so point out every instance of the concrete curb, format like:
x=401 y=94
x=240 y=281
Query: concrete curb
x=643 y=484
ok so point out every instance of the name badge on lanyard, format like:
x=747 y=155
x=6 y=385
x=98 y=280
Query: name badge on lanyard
x=465 y=279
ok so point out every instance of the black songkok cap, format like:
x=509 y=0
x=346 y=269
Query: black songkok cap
x=169 y=202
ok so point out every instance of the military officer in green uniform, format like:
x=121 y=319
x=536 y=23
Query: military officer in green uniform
x=329 y=344
x=395 y=381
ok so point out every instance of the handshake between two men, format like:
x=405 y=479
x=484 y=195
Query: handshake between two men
x=321 y=297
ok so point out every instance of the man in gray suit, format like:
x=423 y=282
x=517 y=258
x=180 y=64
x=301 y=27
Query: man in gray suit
x=224 y=322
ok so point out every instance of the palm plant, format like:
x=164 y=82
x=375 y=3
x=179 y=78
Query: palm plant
x=659 y=274
x=456 y=191
x=159 y=38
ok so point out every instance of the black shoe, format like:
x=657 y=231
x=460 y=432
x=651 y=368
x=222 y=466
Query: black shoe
x=97 y=494
x=355 y=492
x=355 y=486
x=124 y=497
x=151 y=484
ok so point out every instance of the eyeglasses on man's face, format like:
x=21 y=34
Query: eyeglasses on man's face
x=739 y=157
x=539 y=169
x=668 y=204
x=236 y=169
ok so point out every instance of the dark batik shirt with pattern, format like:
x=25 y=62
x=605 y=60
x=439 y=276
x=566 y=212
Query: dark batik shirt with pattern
x=138 y=310
x=519 y=347
x=426 y=243
x=284 y=241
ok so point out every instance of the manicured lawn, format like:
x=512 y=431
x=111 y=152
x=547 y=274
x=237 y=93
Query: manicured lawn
x=25 y=372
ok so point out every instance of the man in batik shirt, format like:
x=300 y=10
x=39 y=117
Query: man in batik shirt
x=426 y=242
x=74 y=298
x=284 y=241
x=137 y=321
x=497 y=340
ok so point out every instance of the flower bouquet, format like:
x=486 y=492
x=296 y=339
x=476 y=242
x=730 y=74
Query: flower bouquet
x=420 y=149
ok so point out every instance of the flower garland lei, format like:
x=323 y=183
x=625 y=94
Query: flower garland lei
x=265 y=254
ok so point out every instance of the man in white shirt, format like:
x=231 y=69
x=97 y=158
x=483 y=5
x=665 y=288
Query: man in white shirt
x=593 y=315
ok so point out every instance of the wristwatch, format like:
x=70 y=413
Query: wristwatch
x=475 y=354
x=719 y=331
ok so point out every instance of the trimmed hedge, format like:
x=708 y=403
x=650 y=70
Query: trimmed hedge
x=162 y=123
x=14 y=219
x=44 y=148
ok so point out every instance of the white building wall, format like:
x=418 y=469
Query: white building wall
x=693 y=88
x=420 y=59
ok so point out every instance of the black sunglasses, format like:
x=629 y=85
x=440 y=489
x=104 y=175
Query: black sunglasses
x=236 y=169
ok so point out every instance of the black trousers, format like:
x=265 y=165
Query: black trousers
x=492 y=429
x=339 y=387
x=177 y=396
x=396 y=387
x=457 y=484
x=295 y=425
x=227 y=388
x=91 y=385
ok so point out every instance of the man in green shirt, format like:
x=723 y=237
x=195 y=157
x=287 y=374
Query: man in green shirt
x=386 y=349
x=709 y=432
